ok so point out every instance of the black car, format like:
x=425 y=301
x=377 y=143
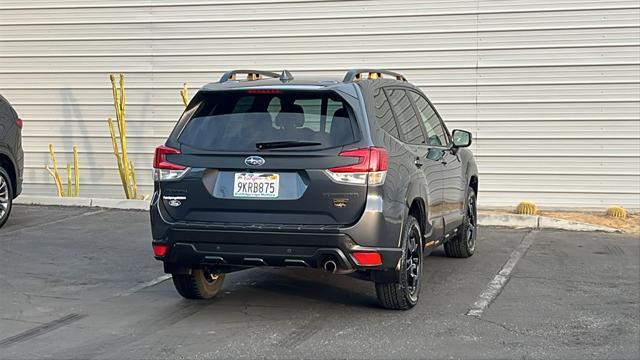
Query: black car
x=11 y=158
x=355 y=176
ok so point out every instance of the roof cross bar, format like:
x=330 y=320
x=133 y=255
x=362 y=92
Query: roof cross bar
x=355 y=74
x=251 y=75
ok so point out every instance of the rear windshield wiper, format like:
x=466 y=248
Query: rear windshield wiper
x=285 y=144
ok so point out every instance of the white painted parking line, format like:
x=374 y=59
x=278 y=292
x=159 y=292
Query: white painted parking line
x=500 y=280
x=145 y=285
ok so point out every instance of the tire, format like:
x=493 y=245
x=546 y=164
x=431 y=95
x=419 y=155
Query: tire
x=6 y=197
x=463 y=245
x=404 y=294
x=199 y=285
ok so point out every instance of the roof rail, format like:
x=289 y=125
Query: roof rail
x=355 y=74
x=251 y=75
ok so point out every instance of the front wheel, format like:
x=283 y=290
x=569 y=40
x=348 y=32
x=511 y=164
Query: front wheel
x=200 y=284
x=463 y=244
x=403 y=295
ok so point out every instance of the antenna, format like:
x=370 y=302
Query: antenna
x=286 y=76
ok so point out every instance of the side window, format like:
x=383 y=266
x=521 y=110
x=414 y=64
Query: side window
x=433 y=125
x=384 y=116
x=407 y=118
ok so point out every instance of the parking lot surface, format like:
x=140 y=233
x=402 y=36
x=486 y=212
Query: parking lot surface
x=82 y=283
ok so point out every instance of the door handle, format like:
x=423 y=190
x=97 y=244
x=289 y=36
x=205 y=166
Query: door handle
x=418 y=163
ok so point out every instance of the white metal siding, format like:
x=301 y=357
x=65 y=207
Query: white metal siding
x=551 y=89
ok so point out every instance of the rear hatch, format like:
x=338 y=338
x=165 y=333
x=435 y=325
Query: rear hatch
x=263 y=156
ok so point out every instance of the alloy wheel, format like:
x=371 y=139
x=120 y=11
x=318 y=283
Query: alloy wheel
x=4 y=197
x=471 y=223
x=413 y=261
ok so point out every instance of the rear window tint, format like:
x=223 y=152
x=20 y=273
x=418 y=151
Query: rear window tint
x=236 y=121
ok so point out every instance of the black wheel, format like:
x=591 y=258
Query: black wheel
x=463 y=245
x=201 y=284
x=403 y=295
x=6 y=196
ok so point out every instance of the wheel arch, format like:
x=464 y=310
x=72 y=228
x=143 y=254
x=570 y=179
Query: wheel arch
x=7 y=163
x=473 y=183
x=418 y=209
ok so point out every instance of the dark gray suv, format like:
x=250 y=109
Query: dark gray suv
x=11 y=158
x=355 y=176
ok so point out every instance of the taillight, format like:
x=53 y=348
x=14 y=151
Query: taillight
x=160 y=250
x=165 y=170
x=19 y=122
x=367 y=258
x=370 y=168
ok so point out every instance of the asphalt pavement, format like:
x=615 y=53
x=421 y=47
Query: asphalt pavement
x=78 y=283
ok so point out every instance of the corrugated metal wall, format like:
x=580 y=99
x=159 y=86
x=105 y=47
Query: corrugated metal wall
x=550 y=88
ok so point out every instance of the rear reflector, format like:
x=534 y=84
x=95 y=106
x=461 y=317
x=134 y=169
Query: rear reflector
x=369 y=258
x=160 y=250
x=19 y=122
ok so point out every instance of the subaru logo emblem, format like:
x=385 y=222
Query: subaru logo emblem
x=254 y=161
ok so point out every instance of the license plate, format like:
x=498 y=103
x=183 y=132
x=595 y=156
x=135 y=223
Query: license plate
x=256 y=185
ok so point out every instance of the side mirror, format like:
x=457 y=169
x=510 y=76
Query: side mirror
x=461 y=138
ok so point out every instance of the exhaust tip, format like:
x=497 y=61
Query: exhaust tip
x=330 y=266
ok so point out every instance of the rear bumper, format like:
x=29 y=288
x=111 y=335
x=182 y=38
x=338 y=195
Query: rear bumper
x=228 y=247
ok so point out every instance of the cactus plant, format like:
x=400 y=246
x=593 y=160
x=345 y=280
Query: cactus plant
x=73 y=174
x=617 y=212
x=184 y=94
x=125 y=167
x=526 y=208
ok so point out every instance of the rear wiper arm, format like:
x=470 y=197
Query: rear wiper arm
x=285 y=144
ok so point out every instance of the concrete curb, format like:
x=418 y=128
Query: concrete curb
x=83 y=202
x=538 y=222
x=506 y=220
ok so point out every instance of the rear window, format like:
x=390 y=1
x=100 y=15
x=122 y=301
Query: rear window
x=238 y=120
